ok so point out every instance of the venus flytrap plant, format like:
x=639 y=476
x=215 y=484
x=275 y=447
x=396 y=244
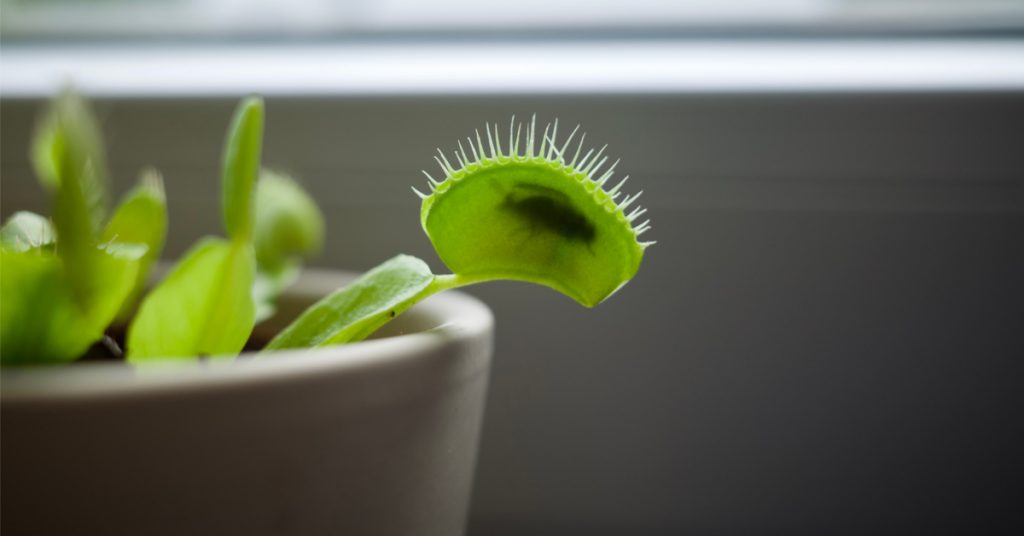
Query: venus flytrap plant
x=205 y=305
x=519 y=209
x=288 y=228
x=66 y=280
x=64 y=283
x=527 y=212
x=208 y=304
x=25 y=231
x=141 y=218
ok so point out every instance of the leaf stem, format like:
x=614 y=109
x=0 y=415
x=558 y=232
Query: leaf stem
x=451 y=281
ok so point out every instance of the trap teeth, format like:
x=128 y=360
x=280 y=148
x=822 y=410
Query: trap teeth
x=637 y=212
x=490 y=139
x=543 y=153
x=579 y=148
x=593 y=168
x=433 y=182
x=590 y=172
x=607 y=175
x=551 y=143
x=595 y=164
x=629 y=200
x=440 y=164
x=447 y=166
x=583 y=162
x=480 y=145
x=531 y=136
x=513 y=141
x=615 y=189
x=497 y=142
x=553 y=149
x=519 y=130
x=561 y=153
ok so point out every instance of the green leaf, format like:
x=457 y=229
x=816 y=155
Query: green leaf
x=535 y=216
x=241 y=167
x=39 y=320
x=76 y=238
x=42 y=322
x=354 y=312
x=203 y=307
x=141 y=218
x=46 y=145
x=68 y=136
x=288 y=223
x=59 y=300
x=69 y=159
x=289 y=226
x=25 y=230
x=117 y=266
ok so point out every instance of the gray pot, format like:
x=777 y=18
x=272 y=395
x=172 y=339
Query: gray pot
x=378 y=437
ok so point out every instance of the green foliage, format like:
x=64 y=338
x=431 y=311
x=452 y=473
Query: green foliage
x=535 y=216
x=62 y=285
x=241 y=167
x=40 y=322
x=141 y=218
x=289 y=224
x=206 y=305
x=44 y=318
x=203 y=307
x=66 y=281
x=25 y=231
x=68 y=147
x=354 y=312
x=525 y=214
x=289 y=227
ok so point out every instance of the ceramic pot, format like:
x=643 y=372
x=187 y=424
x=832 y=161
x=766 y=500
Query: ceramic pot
x=378 y=437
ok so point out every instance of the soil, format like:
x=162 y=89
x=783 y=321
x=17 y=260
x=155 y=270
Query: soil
x=110 y=348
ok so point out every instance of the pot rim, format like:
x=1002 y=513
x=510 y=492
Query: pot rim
x=447 y=319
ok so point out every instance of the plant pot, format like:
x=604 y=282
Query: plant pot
x=378 y=437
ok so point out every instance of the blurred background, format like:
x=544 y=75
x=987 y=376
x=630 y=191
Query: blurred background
x=828 y=336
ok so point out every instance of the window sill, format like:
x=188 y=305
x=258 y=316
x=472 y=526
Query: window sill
x=645 y=67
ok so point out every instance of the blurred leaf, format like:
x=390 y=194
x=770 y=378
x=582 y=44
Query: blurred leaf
x=68 y=156
x=116 y=268
x=68 y=135
x=241 y=167
x=356 y=311
x=289 y=226
x=26 y=230
x=141 y=218
x=46 y=146
x=41 y=321
x=288 y=223
x=203 y=307
x=76 y=238
x=58 y=301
